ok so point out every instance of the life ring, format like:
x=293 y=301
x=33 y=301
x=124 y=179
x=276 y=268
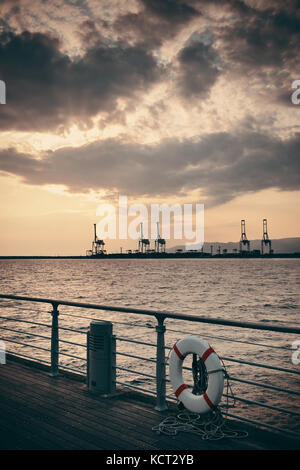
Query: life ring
x=212 y=396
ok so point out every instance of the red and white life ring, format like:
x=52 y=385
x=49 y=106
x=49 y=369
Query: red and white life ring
x=212 y=396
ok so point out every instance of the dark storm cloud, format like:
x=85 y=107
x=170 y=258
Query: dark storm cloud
x=222 y=165
x=262 y=43
x=173 y=10
x=261 y=40
x=267 y=38
x=49 y=91
x=198 y=68
x=46 y=89
x=156 y=20
x=254 y=32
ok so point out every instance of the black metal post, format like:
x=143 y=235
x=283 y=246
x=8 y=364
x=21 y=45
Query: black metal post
x=161 y=404
x=54 y=342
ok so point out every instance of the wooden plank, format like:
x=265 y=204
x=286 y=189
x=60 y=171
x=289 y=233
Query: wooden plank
x=115 y=435
x=147 y=434
x=58 y=424
x=183 y=441
x=21 y=427
x=13 y=438
x=90 y=403
x=156 y=423
x=61 y=412
x=41 y=430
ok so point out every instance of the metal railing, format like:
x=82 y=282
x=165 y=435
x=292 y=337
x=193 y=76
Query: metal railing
x=160 y=360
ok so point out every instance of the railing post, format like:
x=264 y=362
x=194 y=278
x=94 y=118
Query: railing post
x=54 y=342
x=161 y=404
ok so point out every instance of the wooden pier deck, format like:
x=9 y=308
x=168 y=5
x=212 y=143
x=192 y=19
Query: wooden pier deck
x=41 y=412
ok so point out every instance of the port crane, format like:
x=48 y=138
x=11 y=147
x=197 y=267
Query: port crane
x=265 y=239
x=244 y=240
x=144 y=243
x=97 y=246
x=160 y=243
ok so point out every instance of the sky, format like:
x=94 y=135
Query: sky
x=164 y=101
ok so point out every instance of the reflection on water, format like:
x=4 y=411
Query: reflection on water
x=257 y=290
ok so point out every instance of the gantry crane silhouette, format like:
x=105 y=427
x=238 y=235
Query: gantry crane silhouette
x=97 y=246
x=160 y=243
x=244 y=242
x=144 y=243
x=265 y=239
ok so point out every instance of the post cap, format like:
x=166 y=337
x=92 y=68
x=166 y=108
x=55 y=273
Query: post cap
x=101 y=327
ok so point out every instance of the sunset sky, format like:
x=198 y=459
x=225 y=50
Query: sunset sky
x=159 y=100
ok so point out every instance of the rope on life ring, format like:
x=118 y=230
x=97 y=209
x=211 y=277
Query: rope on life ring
x=212 y=396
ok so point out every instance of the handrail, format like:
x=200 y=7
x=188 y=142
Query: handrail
x=159 y=314
x=160 y=360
